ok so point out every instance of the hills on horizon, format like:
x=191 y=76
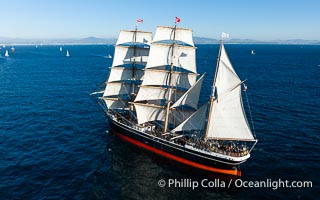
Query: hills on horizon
x=95 y=40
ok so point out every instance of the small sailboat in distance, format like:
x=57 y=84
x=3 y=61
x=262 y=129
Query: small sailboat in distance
x=252 y=52
x=6 y=54
x=108 y=56
x=12 y=49
x=60 y=49
x=67 y=54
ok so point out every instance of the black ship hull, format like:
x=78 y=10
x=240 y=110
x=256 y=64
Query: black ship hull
x=192 y=158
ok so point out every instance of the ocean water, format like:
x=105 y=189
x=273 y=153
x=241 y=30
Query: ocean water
x=54 y=142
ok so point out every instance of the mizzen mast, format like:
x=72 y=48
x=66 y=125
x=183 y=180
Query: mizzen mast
x=226 y=118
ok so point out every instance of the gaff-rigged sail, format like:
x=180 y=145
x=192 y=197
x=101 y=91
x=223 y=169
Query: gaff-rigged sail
x=127 y=70
x=227 y=120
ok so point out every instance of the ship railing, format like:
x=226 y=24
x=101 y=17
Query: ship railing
x=122 y=119
x=176 y=137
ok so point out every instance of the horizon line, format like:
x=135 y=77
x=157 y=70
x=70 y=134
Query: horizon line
x=115 y=37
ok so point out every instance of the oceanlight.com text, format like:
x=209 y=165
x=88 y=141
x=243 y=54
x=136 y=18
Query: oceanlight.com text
x=235 y=183
x=274 y=184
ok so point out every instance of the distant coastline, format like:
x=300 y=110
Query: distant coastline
x=111 y=41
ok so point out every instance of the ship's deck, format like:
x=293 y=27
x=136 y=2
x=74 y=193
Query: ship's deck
x=228 y=148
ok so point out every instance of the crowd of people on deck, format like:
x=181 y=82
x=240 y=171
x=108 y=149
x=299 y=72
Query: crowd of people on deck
x=231 y=148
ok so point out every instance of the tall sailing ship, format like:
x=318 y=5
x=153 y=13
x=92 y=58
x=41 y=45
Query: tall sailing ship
x=151 y=100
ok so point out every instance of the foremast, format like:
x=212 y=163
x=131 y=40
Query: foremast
x=127 y=70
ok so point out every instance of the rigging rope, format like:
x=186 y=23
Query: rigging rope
x=254 y=132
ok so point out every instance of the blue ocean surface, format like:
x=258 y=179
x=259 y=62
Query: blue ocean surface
x=55 y=144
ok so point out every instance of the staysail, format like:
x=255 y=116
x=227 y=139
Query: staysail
x=196 y=121
x=191 y=97
x=127 y=70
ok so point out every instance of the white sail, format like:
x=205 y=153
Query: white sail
x=156 y=84
x=124 y=74
x=115 y=88
x=161 y=78
x=181 y=34
x=125 y=55
x=183 y=56
x=67 y=54
x=196 y=121
x=128 y=36
x=151 y=93
x=191 y=97
x=227 y=119
x=147 y=113
x=226 y=78
x=147 y=93
x=115 y=103
x=6 y=54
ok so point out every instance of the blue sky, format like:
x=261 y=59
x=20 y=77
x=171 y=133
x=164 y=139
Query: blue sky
x=263 y=20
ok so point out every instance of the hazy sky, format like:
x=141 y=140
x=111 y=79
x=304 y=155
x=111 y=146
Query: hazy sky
x=255 y=19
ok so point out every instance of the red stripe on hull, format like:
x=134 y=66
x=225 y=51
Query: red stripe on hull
x=178 y=159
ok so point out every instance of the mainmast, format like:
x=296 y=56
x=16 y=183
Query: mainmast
x=169 y=74
x=170 y=80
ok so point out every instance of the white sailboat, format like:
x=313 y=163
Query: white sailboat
x=6 y=54
x=156 y=106
x=252 y=52
x=60 y=49
x=67 y=54
x=108 y=56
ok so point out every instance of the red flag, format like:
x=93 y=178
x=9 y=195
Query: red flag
x=140 y=20
x=178 y=19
